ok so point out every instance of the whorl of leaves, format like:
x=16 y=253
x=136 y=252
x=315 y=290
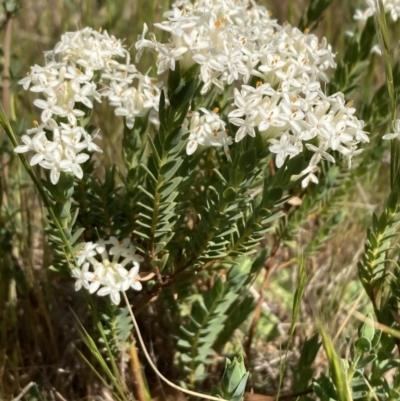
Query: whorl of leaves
x=157 y=215
x=373 y=267
x=207 y=320
x=61 y=198
x=101 y=205
x=117 y=326
x=228 y=220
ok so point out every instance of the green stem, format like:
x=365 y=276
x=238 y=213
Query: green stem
x=211 y=233
x=383 y=37
x=196 y=338
x=46 y=200
x=352 y=368
x=157 y=200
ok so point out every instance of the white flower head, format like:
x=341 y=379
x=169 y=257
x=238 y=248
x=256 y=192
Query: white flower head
x=68 y=86
x=101 y=274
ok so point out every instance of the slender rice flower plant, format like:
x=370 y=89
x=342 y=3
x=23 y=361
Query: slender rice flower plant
x=239 y=117
x=271 y=76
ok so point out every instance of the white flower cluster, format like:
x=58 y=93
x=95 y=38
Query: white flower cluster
x=207 y=129
x=69 y=83
x=234 y=40
x=294 y=120
x=113 y=276
x=390 y=6
x=132 y=101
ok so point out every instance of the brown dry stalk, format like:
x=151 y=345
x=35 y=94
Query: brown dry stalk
x=6 y=67
x=6 y=100
x=257 y=312
x=136 y=369
x=353 y=308
x=167 y=281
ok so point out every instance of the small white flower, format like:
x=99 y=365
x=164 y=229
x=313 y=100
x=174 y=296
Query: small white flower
x=89 y=144
x=74 y=160
x=390 y=6
x=310 y=170
x=82 y=93
x=76 y=74
x=87 y=251
x=129 y=278
x=71 y=112
x=283 y=148
x=81 y=275
x=339 y=135
x=168 y=57
x=246 y=127
x=118 y=247
x=112 y=288
x=49 y=107
x=28 y=145
x=52 y=161
x=349 y=152
x=143 y=43
x=43 y=148
x=96 y=278
x=320 y=153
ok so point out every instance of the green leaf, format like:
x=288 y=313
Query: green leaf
x=174 y=79
x=238 y=394
x=149 y=173
x=248 y=161
x=161 y=112
x=393 y=200
x=76 y=235
x=169 y=169
x=170 y=186
x=309 y=351
x=367 y=38
x=367 y=330
x=235 y=373
x=155 y=152
x=362 y=363
x=313 y=14
x=181 y=88
x=184 y=344
x=229 y=194
x=185 y=358
x=338 y=374
x=173 y=139
x=274 y=195
x=363 y=345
